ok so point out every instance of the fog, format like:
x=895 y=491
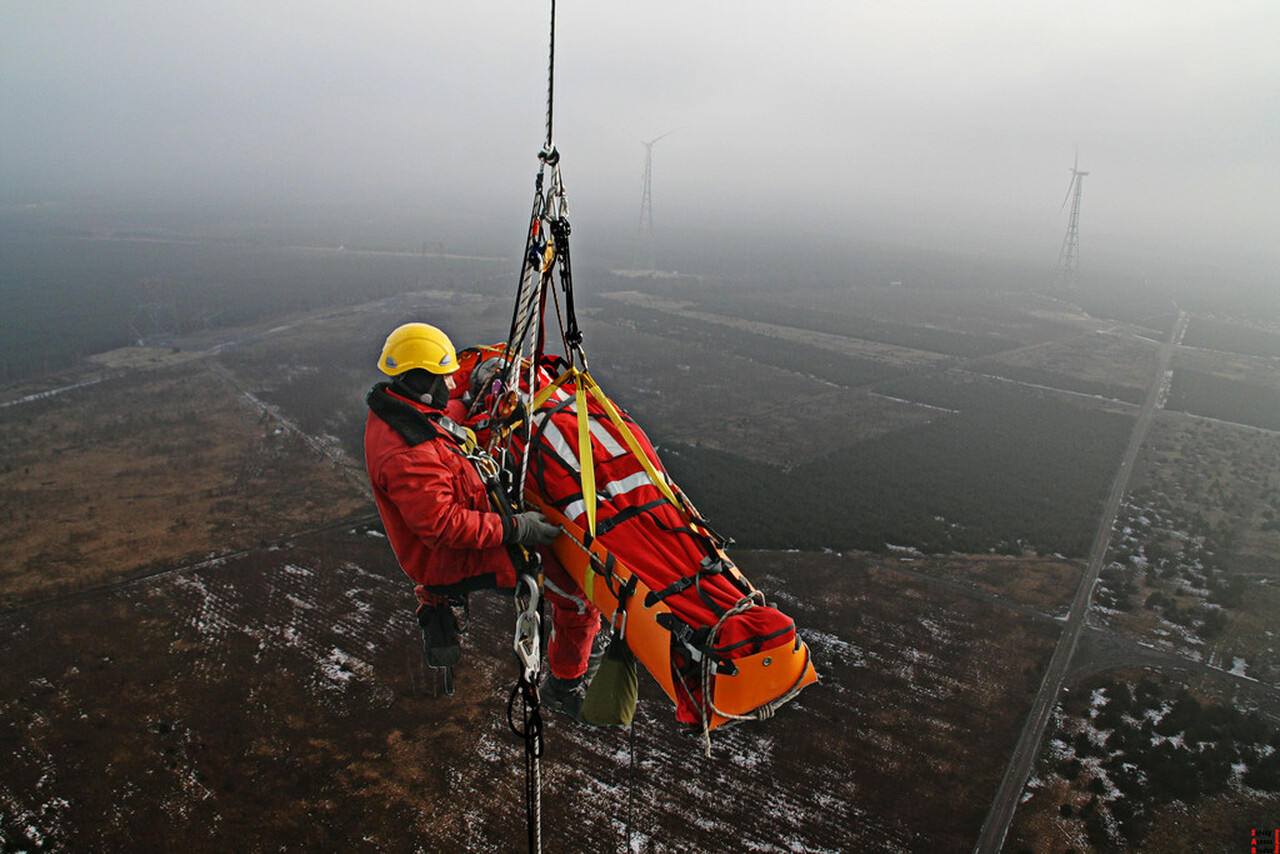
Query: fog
x=940 y=125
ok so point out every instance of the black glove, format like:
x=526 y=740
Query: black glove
x=532 y=529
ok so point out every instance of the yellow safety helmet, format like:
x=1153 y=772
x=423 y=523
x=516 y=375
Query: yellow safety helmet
x=417 y=345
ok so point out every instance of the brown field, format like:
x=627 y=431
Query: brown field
x=1254 y=370
x=887 y=354
x=1100 y=357
x=277 y=700
x=142 y=357
x=274 y=697
x=146 y=471
x=1042 y=584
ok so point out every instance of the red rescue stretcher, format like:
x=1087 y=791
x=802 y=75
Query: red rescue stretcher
x=648 y=560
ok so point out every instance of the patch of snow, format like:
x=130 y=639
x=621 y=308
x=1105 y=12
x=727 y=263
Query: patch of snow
x=298 y=603
x=833 y=647
x=339 y=667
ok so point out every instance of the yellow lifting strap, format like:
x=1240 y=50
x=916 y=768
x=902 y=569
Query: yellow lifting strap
x=586 y=468
x=586 y=385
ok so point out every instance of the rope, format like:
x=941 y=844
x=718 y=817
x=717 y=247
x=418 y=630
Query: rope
x=530 y=730
x=631 y=787
x=546 y=251
x=708 y=706
x=528 y=648
x=551 y=73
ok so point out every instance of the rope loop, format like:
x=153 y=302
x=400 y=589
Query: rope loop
x=708 y=707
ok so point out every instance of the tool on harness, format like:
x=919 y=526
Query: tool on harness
x=440 y=645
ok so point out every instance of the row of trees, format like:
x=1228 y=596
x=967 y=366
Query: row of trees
x=794 y=356
x=1233 y=338
x=1226 y=399
x=1010 y=471
x=929 y=338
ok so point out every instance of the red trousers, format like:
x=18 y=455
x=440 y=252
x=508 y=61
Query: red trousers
x=574 y=620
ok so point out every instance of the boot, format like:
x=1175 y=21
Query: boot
x=563 y=695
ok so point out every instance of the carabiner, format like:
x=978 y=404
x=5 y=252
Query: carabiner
x=528 y=643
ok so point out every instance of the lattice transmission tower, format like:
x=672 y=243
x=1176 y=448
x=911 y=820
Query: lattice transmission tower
x=646 y=202
x=154 y=319
x=1069 y=257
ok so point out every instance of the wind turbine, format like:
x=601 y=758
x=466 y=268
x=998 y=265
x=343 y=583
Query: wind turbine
x=1069 y=257
x=646 y=200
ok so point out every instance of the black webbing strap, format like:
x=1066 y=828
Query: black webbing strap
x=560 y=232
x=604 y=526
x=695 y=639
x=703 y=540
x=759 y=640
x=606 y=572
x=708 y=568
x=627 y=590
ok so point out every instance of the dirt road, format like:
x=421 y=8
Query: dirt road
x=996 y=826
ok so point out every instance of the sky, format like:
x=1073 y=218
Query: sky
x=941 y=124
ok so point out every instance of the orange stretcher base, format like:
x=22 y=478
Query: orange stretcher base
x=761 y=678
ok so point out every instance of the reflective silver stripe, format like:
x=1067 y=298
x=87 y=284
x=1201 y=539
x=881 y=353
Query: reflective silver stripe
x=577 y=600
x=576 y=509
x=606 y=440
x=623 y=485
x=560 y=445
x=613 y=489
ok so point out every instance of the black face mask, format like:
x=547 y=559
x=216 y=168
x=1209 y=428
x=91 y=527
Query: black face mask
x=424 y=386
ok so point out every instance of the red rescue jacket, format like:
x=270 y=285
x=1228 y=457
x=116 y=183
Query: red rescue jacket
x=433 y=503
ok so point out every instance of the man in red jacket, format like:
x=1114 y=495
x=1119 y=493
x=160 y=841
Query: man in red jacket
x=442 y=517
